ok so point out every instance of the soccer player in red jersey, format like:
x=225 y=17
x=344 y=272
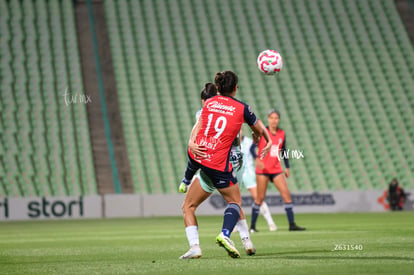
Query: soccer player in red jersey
x=270 y=169
x=218 y=126
x=201 y=189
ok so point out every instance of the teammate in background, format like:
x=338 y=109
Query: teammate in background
x=220 y=122
x=248 y=178
x=201 y=189
x=270 y=169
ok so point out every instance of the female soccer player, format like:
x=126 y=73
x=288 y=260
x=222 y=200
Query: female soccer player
x=202 y=187
x=220 y=122
x=248 y=178
x=270 y=169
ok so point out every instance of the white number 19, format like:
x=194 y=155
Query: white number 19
x=219 y=128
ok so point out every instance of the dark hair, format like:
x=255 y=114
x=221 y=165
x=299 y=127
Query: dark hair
x=226 y=81
x=208 y=91
x=273 y=111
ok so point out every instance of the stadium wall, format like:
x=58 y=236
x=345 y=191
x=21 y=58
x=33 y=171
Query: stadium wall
x=136 y=205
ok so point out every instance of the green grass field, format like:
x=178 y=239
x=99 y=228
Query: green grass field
x=153 y=245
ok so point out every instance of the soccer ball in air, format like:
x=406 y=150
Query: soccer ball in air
x=270 y=62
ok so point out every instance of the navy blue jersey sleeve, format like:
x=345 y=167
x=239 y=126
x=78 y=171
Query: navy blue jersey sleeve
x=249 y=117
x=253 y=150
x=283 y=150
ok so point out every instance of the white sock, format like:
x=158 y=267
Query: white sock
x=243 y=229
x=192 y=235
x=264 y=210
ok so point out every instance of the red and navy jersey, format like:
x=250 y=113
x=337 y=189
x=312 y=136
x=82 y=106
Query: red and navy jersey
x=222 y=118
x=271 y=161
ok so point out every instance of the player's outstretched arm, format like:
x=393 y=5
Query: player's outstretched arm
x=258 y=131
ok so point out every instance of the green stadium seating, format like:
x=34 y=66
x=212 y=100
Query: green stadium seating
x=345 y=92
x=45 y=144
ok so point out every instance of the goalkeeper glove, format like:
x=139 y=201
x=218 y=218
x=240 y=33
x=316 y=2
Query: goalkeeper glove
x=183 y=188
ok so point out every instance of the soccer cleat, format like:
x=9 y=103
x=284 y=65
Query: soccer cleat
x=294 y=227
x=228 y=245
x=253 y=230
x=193 y=253
x=272 y=227
x=248 y=247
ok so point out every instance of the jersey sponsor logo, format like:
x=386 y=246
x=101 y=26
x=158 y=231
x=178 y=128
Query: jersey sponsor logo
x=221 y=108
x=274 y=151
x=209 y=142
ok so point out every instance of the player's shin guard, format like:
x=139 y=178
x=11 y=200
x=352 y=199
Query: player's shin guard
x=255 y=214
x=289 y=213
x=231 y=216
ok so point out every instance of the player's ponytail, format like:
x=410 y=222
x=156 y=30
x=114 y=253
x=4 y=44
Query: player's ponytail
x=226 y=82
x=208 y=91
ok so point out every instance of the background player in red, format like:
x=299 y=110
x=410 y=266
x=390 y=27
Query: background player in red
x=220 y=122
x=270 y=169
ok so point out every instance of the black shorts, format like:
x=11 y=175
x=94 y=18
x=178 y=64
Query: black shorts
x=271 y=176
x=219 y=179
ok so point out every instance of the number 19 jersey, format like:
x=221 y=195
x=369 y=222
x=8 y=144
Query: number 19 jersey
x=222 y=118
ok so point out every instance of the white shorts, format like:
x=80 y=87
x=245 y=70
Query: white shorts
x=246 y=177
x=205 y=182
